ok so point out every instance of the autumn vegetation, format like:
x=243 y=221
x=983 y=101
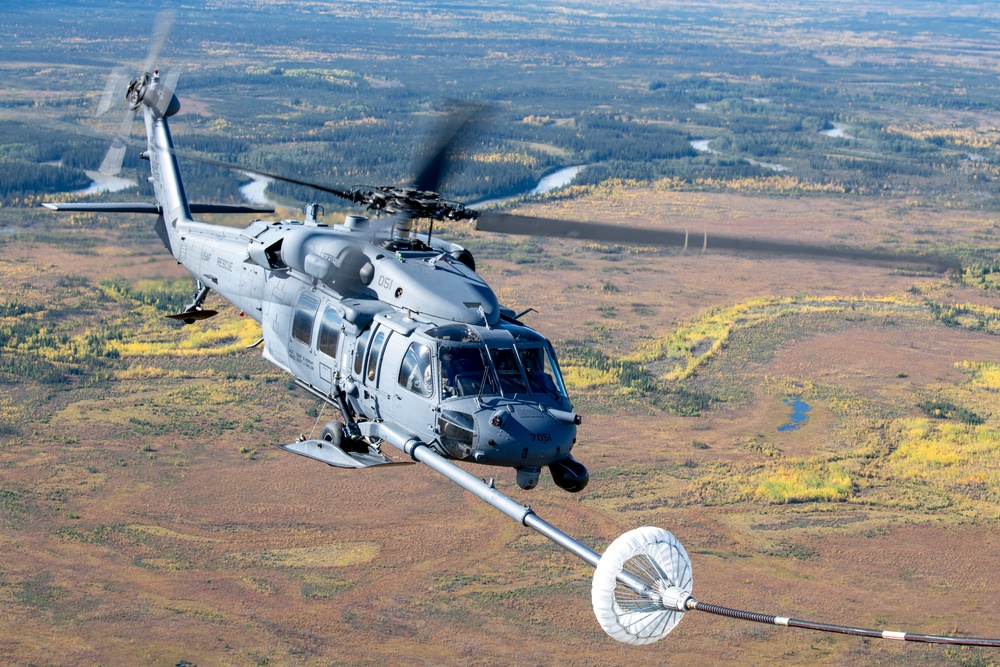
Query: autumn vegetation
x=148 y=518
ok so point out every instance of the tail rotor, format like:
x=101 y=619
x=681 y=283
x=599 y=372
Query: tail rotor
x=146 y=88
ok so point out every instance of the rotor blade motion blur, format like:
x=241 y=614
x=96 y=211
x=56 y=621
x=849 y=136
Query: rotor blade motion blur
x=114 y=90
x=436 y=163
x=595 y=231
x=119 y=87
x=115 y=156
x=161 y=31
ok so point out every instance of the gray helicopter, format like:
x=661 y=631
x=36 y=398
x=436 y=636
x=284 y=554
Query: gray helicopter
x=393 y=331
x=413 y=348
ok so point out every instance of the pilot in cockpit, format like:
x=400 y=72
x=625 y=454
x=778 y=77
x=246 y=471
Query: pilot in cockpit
x=462 y=371
x=449 y=373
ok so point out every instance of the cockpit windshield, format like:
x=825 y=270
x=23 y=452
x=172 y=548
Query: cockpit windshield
x=467 y=367
x=543 y=374
x=508 y=370
x=465 y=371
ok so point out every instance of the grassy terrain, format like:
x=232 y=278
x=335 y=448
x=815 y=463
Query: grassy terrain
x=140 y=475
x=148 y=518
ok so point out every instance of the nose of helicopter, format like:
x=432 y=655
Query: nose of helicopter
x=523 y=435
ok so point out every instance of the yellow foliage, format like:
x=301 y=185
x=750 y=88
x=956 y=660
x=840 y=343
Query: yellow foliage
x=690 y=345
x=769 y=184
x=227 y=337
x=529 y=161
x=10 y=413
x=160 y=531
x=980 y=138
x=985 y=375
x=336 y=554
x=582 y=377
x=140 y=372
x=944 y=453
x=785 y=485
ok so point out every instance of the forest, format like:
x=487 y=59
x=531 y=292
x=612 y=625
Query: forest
x=147 y=515
x=355 y=103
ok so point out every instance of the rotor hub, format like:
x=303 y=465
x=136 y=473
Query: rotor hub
x=136 y=91
x=418 y=203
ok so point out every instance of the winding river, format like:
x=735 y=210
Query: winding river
x=254 y=191
x=555 y=180
x=99 y=182
x=102 y=183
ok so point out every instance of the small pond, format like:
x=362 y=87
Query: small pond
x=800 y=410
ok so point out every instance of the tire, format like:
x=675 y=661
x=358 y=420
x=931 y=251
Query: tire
x=333 y=432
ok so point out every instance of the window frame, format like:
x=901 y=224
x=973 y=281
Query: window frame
x=373 y=357
x=409 y=364
x=300 y=313
x=325 y=329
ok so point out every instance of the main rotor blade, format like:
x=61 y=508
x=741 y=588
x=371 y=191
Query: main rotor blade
x=345 y=194
x=595 y=231
x=171 y=77
x=436 y=161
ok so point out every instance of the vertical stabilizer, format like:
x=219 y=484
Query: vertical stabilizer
x=166 y=179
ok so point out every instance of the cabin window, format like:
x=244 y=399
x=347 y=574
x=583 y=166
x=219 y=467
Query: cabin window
x=359 y=351
x=415 y=371
x=329 y=332
x=302 y=320
x=373 y=354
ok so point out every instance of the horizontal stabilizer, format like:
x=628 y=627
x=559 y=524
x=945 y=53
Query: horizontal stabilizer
x=140 y=207
x=223 y=208
x=131 y=207
x=331 y=454
x=189 y=316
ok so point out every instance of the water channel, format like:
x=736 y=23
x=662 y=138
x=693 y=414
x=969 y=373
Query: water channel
x=99 y=182
x=254 y=191
x=555 y=180
x=701 y=145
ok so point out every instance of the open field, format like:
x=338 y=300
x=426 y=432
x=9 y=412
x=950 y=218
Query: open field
x=146 y=516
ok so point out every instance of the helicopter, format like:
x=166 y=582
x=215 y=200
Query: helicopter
x=412 y=347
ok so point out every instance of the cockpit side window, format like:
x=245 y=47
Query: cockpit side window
x=543 y=376
x=465 y=371
x=415 y=371
x=374 y=352
x=303 y=318
x=359 y=351
x=329 y=332
x=508 y=370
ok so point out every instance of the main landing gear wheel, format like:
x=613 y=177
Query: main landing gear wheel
x=656 y=558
